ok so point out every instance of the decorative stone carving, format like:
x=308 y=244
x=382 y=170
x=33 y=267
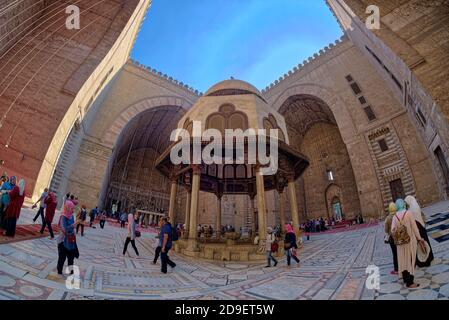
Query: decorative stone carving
x=95 y=150
x=378 y=133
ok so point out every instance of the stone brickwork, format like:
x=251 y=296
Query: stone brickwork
x=410 y=52
x=324 y=147
x=17 y=18
x=324 y=76
x=76 y=112
x=138 y=101
x=51 y=74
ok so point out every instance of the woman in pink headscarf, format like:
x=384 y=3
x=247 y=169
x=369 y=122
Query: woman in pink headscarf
x=67 y=248
x=132 y=226
x=290 y=245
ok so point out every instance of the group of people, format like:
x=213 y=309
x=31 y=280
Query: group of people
x=12 y=198
x=317 y=225
x=81 y=215
x=205 y=231
x=405 y=232
x=404 y=228
x=73 y=219
x=272 y=246
x=166 y=236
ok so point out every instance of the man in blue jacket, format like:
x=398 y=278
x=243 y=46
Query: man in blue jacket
x=165 y=242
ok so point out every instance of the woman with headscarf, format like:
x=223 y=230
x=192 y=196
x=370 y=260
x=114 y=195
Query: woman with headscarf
x=389 y=237
x=50 y=208
x=406 y=250
x=67 y=248
x=7 y=186
x=132 y=227
x=271 y=239
x=290 y=245
x=414 y=208
x=16 y=198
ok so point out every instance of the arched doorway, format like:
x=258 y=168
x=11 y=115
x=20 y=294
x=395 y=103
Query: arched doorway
x=334 y=201
x=132 y=180
x=328 y=185
x=336 y=209
x=106 y=139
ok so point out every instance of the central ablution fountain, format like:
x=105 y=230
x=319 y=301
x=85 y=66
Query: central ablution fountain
x=214 y=161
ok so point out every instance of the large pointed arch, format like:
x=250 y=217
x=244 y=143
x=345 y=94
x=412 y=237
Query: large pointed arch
x=359 y=154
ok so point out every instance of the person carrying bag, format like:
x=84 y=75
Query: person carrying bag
x=67 y=247
x=290 y=245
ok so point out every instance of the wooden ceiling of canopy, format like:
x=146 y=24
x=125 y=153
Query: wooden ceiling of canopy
x=236 y=178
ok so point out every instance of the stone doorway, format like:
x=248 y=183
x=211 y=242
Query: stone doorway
x=313 y=131
x=444 y=166
x=397 y=189
x=336 y=209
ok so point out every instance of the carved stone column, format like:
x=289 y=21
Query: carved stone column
x=282 y=208
x=218 y=217
x=172 y=203
x=187 y=220
x=261 y=205
x=293 y=203
x=253 y=215
x=194 y=202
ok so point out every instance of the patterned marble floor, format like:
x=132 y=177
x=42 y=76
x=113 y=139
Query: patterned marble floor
x=333 y=266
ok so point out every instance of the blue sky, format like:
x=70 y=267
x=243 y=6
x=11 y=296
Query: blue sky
x=201 y=42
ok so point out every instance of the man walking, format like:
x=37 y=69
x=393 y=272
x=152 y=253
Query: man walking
x=93 y=214
x=42 y=206
x=51 y=202
x=165 y=242
x=157 y=252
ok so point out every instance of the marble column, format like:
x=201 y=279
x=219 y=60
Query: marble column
x=172 y=205
x=282 y=208
x=253 y=215
x=187 y=221
x=194 y=202
x=293 y=204
x=218 y=218
x=261 y=205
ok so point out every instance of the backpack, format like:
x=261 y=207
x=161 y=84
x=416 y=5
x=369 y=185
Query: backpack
x=400 y=233
x=174 y=236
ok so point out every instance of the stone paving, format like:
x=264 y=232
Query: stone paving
x=333 y=266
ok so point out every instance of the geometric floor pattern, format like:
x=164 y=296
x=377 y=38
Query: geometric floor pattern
x=333 y=266
x=26 y=232
x=438 y=226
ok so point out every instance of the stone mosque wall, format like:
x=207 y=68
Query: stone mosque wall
x=147 y=189
x=325 y=148
x=82 y=118
x=416 y=32
x=344 y=78
x=51 y=75
x=135 y=90
x=410 y=52
x=363 y=186
x=18 y=17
